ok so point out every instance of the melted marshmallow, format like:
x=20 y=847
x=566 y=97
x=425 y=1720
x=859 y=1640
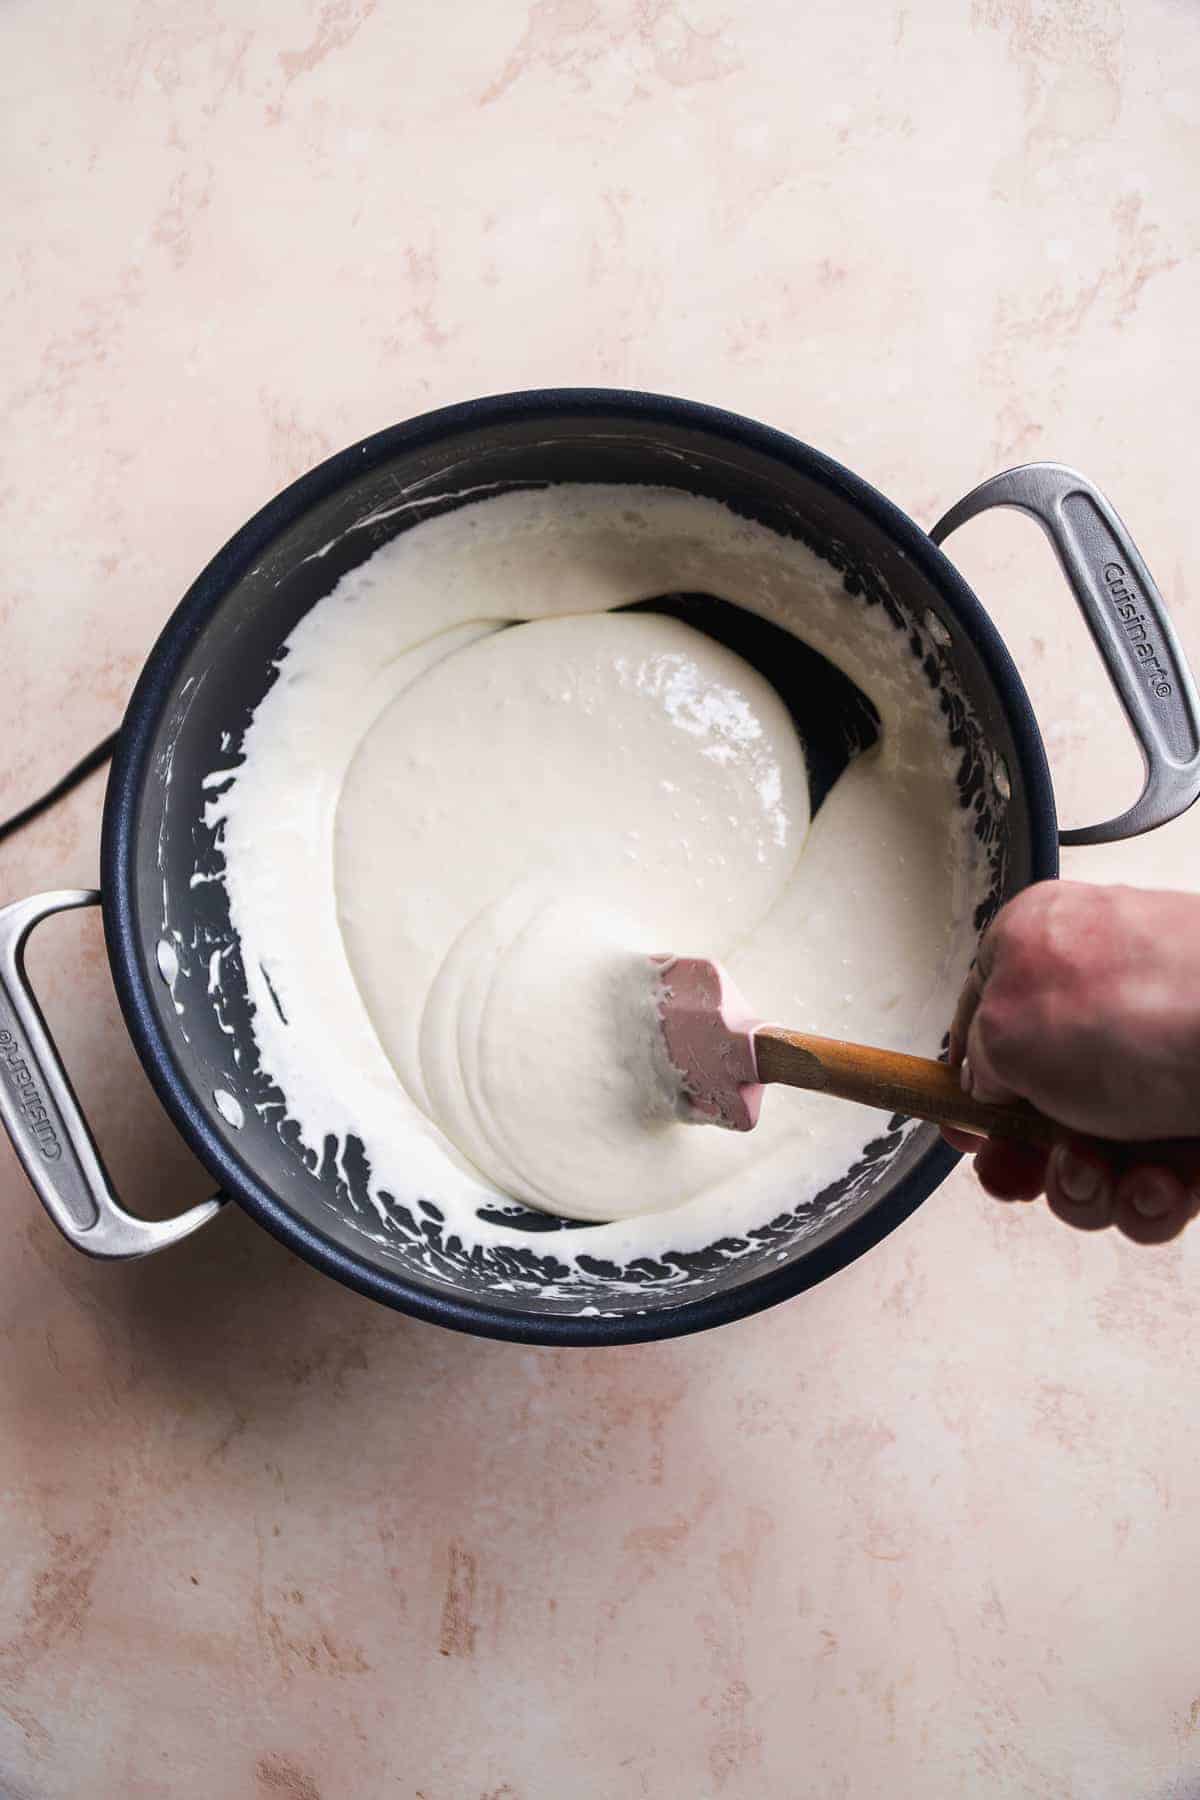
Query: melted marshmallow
x=454 y=838
x=514 y=829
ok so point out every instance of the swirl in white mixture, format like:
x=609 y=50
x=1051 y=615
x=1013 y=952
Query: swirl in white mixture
x=449 y=842
x=525 y=818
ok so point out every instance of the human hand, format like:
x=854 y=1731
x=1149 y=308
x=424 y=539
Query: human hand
x=1086 y=1001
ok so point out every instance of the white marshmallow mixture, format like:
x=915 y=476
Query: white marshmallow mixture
x=476 y=795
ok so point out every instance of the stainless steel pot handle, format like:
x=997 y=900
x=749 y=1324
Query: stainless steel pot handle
x=1127 y=618
x=42 y=1116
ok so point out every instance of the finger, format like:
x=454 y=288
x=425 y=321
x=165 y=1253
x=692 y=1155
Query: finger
x=1009 y=1171
x=1151 y=1204
x=1080 y=1185
x=966 y=1141
x=1151 y=1231
x=964 y=1012
x=972 y=991
x=1183 y=1160
x=979 y=1075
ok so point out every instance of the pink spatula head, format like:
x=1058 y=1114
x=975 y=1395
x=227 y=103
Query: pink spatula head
x=718 y=1058
x=708 y=1032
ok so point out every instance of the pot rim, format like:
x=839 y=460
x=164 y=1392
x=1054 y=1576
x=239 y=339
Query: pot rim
x=133 y=977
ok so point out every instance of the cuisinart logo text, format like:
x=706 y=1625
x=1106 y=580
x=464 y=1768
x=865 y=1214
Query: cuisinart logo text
x=1125 y=601
x=13 y=1064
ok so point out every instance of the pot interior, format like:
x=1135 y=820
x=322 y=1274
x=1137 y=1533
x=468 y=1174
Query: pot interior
x=218 y=677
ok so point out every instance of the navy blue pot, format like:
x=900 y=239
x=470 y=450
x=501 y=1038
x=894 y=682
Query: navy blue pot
x=201 y=683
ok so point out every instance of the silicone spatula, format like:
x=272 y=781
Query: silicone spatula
x=722 y=1057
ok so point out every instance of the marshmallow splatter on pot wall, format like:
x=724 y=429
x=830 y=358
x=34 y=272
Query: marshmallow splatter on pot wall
x=476 y=797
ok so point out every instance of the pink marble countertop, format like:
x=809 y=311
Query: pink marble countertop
x=929 y=1530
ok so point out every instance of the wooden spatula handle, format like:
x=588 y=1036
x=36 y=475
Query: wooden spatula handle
x=912 y=1085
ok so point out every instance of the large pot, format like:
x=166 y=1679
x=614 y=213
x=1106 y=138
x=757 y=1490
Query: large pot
x=212 y=664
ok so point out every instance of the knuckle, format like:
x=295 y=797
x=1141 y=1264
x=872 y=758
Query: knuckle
x=1044 y=946
x=1019 y=932
x=999 y=1037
